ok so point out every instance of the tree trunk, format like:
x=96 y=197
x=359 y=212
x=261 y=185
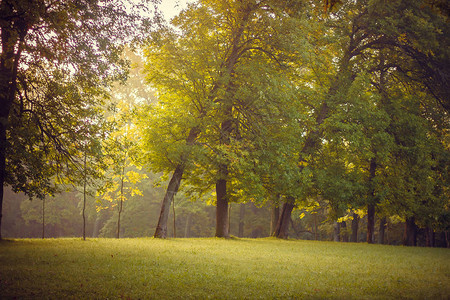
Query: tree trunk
x=172 y=188
x=84 y=198
x=121 y=201
x=5 y=104
x=118 y=219
x=430 y=237
x=221 y=209
x=382 y=231
x=336 y=232
x=315 y=226
x=274 y=217
x=241 y=219
x=281 y=230
x=12 y=40
x=410 y=237
x=355 y=225
x=43 y=218
x=229 y=217
x=344 y=234
x=222 y=221
x=174 y=220
x=3 y=121
x=371 y=204
x=370 y=222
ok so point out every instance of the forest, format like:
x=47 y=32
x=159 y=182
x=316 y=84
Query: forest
x=303 y=119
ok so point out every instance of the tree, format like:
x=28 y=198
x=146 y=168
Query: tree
x=329 y=79
x=119 y=148
x=57 y=59
x=367 y=31
x=207 y=70
x=414 y=53
x=405 y=56
x=93 y=168
x=416 y=178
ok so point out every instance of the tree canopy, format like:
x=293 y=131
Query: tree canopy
x=58 y=59
x=337 y=107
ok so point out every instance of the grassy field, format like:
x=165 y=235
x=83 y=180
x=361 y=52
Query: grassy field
x=216 y=268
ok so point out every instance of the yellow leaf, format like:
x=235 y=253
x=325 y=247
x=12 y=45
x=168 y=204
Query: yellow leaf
x=303 y=163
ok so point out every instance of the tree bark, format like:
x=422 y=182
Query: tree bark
x=344 y=234
x=371 y=204
x=229 y=217
x=281 y=231
x=43 y=218
x=174 y=221
x=382 y=230
x=84 y=198
x=222 y=209
x=430 y=237
x=221 y=190
x=336 y=232
x=172 y=188
x=355 y=225
x=241 y=219
x=121 y=202
x=315 y=225
x=370 y=222
x=118 y=219
x=274 y=217
x=222 y=220
x=2 y=165
x=410 y=236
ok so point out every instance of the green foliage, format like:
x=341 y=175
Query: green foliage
x=234 y=67
x=279 y=99
x=120 y=146
x=57 y=61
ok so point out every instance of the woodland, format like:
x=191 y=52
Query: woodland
x=305 y=119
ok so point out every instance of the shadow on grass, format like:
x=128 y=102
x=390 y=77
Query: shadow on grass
x=7 y=241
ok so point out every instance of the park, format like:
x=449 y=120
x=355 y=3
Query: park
x=236 y=149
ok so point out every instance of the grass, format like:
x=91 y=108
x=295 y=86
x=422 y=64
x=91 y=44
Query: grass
x=216 y=268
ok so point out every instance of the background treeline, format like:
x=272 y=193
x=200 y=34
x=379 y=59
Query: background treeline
x=324 y=120
x=23 y=219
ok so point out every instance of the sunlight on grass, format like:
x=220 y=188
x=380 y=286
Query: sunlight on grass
x=216 y=268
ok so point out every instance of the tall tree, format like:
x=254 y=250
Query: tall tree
x=213 y=70
x=363 y=36
x=339 y=41
x=57 y=59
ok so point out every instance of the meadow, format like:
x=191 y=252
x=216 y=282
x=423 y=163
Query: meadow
x=148 y=268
